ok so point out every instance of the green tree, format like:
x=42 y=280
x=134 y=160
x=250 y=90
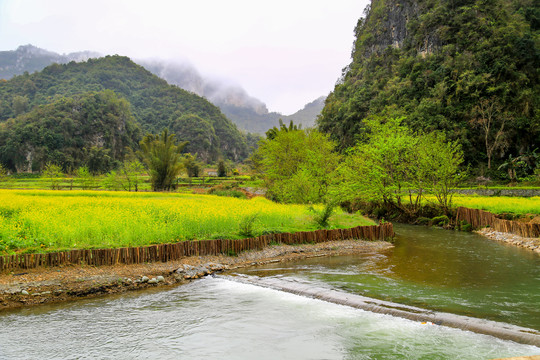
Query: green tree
x=163 y=157
x=379 y=170
x=297 y=166
x=54 y=173
x=192 y=166
x=131 y=171
x=491 y=121
x=396 y=168
x=85 y=178
x=439 y=166
x=221 y=168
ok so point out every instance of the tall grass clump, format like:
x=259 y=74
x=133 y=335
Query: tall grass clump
x=322 y=217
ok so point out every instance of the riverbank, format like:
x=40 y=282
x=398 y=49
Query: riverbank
x=48 y=285
x=532 y=244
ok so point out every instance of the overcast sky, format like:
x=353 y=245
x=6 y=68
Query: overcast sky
x=284 y=52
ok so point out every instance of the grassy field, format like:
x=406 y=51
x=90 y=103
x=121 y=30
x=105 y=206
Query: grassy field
x=46 y=220
x=99 y=182
x=499 y=204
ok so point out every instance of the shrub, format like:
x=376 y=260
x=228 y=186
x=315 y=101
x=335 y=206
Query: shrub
x=222 y=169
x=247 y=225
x=230 y=193
x=322 y=218
x=440 y=220
x=465 y=226
x=193 y=167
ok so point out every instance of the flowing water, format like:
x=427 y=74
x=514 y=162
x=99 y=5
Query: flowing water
x=220 y=319
x=437 y=269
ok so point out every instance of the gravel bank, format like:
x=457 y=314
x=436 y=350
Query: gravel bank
x=47 y=285
x=532 y=244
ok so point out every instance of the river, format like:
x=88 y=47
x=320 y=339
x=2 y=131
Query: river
x=457 y=272
x=217 y=318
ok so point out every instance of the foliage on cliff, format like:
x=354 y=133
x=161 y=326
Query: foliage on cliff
x=91 y=129
x=154 y=103
x=469 y=68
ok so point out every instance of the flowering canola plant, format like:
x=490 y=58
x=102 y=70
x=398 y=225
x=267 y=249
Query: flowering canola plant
x=500 y=204
x=34 y=220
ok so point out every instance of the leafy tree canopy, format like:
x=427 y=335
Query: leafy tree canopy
x=163 y=157
x=297 y=165
x=396 y=167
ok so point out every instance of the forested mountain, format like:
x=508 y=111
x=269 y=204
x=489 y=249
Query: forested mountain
x=155 y=105
x=467 y=67
x=248 y=113
x=91 y=129
x=28 y=58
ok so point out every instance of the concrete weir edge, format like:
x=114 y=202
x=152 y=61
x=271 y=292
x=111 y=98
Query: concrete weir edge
x=487 y=327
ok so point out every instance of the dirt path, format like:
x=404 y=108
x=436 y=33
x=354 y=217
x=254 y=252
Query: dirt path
x=47 y=285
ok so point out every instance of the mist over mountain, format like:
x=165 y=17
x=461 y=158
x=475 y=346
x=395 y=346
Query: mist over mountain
x=247 y=112
x=28 y=58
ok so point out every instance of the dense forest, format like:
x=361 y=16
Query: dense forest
x=469 y=68
x=154 y=104
x=91 y=129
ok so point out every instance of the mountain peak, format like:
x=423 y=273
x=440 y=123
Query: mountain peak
x=30 y=58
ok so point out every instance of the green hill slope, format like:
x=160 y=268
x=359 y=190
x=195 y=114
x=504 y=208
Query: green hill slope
x=467 y=67
x=155 y=104
x=92 y=129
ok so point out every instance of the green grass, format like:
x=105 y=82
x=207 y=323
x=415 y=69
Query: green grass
x=46 y=220
x=36 y=182
x=64 y=183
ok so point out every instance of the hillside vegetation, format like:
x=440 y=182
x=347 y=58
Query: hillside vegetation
x=88 y=129
x=248 y=113
x=469 y=68
x=154 y=104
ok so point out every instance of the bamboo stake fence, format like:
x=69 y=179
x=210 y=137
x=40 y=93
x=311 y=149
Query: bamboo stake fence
x=167 y=252
x=479 y=218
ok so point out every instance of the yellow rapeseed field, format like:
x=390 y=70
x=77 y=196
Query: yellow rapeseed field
x=500 y=204
x=33 y=220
